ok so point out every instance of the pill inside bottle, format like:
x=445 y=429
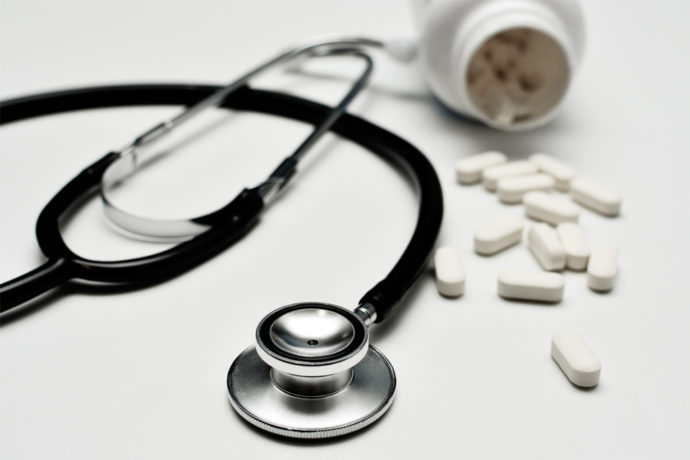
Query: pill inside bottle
x=517 y=75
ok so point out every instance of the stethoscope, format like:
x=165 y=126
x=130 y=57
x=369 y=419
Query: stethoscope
x=312 y=372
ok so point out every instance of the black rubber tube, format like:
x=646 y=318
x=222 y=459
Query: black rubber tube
x=384 y=296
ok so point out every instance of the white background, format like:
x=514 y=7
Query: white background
x=142 y=374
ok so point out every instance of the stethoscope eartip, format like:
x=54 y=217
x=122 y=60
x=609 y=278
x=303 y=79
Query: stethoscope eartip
x=312 y=374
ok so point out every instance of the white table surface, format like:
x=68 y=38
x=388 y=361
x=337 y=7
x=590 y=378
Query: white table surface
x=142 y=374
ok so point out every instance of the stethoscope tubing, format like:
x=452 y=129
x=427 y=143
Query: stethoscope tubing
x=227 y=225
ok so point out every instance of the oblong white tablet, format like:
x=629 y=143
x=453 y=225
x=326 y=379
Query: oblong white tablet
x=602 y=268
x=595 y=197
x=547 y=164
x=498 y=236
x=450 y=273
x=546 y=247
x=574 y=244
x=550 y=209
x=490 y=176
x=577 y=361
x=512 y=189
x=537 y=286
x=469 y=170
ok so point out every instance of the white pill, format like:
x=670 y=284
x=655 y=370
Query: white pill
x=450 y=273
x=514 y=168
x=577 y=361
x=574 y=244
x=512 y=189
x=498 y=236
x=546 y=247
x=560 y=172
x=469 y=170
x=548 y=208
x=602 y=268
x=538 y=286
x=595 y=197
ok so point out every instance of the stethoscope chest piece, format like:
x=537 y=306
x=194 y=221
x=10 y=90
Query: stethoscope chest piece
x=312 y=374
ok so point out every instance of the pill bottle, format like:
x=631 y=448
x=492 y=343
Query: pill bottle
x=507 y=63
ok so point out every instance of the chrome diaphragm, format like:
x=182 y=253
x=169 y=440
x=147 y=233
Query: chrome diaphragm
x=311 y=374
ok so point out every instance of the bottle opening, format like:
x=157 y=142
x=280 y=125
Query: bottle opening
x=517 y=76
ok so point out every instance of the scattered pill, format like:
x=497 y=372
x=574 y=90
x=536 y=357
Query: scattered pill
x=469 y=170
x=560 y=172
x=602 y=268
x=574 y=244
x=450 y=273
x=546 y=247
x=491 y=175
x=550 y=209
x=595 y=197
x=498 y=236
x=537 y=286
x=577 y=361
x=512 y=189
